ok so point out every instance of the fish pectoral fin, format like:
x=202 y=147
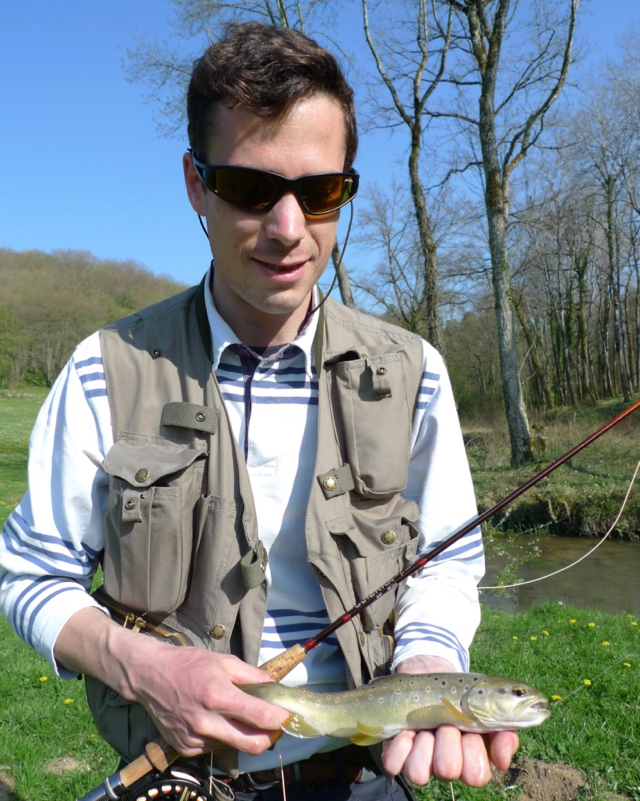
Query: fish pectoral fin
x=368 y=735
x=299 y=727
x=457 y=714
x=369 y=731
x=363 y=739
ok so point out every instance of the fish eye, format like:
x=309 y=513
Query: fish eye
x=519 y=691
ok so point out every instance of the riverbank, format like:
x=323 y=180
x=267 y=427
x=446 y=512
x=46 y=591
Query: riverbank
x=581 y=498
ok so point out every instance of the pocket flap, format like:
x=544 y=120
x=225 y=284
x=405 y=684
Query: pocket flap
x=375 y=539
x=144 y=464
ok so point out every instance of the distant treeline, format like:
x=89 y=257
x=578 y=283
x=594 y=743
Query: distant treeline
x=50 y=302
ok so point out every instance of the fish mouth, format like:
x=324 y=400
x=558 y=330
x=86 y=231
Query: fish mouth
x=541 y=706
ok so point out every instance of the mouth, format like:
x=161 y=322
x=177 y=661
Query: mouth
x=281 y=268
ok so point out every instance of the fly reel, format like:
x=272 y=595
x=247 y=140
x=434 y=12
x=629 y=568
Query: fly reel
x=178 y=783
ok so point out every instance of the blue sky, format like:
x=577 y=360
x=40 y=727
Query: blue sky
x=82 y=166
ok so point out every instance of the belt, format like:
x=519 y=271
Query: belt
x=349 y=764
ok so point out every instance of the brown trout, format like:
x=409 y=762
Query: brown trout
x=471 y=702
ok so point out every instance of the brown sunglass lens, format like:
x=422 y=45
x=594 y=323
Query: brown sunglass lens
x=253 y=190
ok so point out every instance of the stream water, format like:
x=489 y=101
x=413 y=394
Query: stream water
x=608 y=579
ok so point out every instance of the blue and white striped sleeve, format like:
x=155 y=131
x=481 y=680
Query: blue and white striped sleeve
x=50 y=544
x=438 y=611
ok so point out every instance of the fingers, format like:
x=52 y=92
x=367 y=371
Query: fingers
x=504 y=744
x=195 y=703
x=448 y=755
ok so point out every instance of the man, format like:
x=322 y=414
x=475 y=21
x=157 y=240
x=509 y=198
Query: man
x=247 y=461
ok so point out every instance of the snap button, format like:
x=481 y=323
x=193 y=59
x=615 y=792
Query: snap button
x=381 y=371
x=156 y=353
x=330 y=483
x=218 y=632
x=130 y=504
x=388 y=537
x=201 y=417
x=142 y=475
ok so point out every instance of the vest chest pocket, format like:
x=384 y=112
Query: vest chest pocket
x=154 y=489
x=375 y=547
x=376 y=419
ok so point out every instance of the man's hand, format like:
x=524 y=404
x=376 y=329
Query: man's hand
x=445 y=753
x=190 y=693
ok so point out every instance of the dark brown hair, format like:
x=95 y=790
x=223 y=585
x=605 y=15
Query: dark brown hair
x=266 y=69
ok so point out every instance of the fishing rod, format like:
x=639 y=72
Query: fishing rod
x=159 y=755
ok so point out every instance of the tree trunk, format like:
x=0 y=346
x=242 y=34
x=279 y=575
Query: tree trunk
x=533 y=350
x=344 y=284
x=431 y=297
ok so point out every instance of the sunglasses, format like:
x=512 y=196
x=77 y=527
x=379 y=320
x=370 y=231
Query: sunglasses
x=259 y=191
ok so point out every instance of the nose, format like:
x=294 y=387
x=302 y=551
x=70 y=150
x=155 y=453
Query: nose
x=286 y=221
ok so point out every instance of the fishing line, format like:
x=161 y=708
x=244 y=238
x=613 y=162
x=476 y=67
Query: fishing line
x=584 y=556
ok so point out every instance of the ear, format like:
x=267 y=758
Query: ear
x=195 y=189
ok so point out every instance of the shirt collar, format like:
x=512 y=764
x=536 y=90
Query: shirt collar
x=222 y=335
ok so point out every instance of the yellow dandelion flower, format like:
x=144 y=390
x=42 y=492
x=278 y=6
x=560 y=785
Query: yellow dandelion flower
x=573 y=621
x=587 y=682
x=631 y=616
x=627 y=664
x=633 y=623
x=556 y=698
x=591 y=625
x=546 y=633
x=515 y=638
x=43 y=678
x=606 y=644
x=68 y=701
x=533 y=639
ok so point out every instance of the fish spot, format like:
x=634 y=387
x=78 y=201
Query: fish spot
x=381 y=700
x=356 y=702
x=317 y=703
x=428 y=689
x=453 y=689
x=371 y=697
x=337 y=701
x=416 y=697
x=444 y=683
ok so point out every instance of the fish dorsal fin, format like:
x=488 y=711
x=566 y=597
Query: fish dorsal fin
x=299 y=727
x=457 y=714
x=368 y=735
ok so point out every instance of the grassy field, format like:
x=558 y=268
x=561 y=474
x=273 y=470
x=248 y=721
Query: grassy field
x=49 y=750
x=18 y=412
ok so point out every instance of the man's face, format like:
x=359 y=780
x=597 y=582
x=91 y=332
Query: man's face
x=266 y=264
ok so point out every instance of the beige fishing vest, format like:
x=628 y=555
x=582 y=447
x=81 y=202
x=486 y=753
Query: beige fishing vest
x=181 y=535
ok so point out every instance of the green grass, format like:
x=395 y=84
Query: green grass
x=18 y=411
x=596 y=727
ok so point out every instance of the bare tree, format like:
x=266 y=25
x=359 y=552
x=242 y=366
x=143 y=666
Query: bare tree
x=511 y=107
x=410 y=76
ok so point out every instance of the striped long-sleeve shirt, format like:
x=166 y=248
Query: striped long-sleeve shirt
x=50 y=544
